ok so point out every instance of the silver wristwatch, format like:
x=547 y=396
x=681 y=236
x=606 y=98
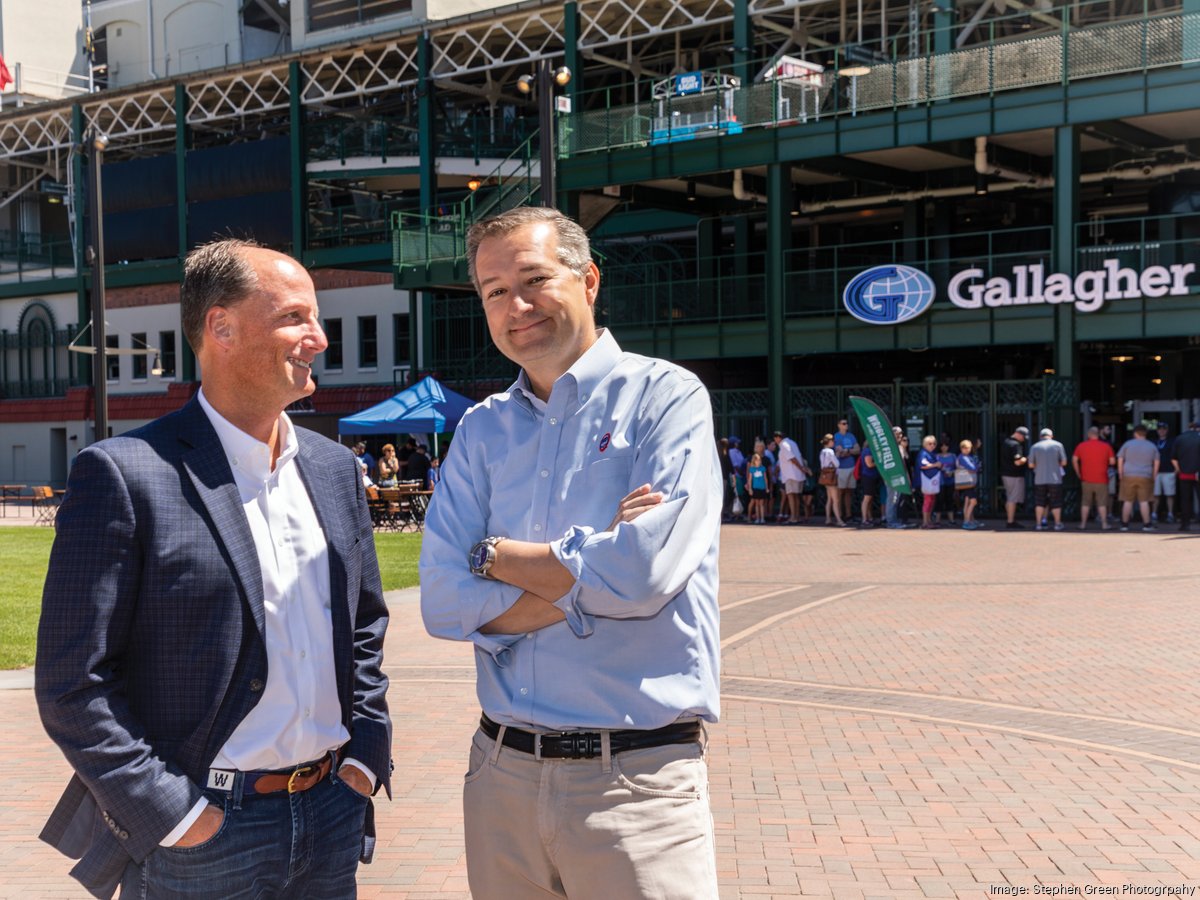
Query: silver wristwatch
x=482 y=556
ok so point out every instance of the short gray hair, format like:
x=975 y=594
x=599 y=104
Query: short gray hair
x=215 y=274
x=574 y=249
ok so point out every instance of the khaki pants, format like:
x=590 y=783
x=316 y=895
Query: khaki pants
x=632 y=825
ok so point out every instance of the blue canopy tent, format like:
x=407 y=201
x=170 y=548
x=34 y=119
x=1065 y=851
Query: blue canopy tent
x=427 y=407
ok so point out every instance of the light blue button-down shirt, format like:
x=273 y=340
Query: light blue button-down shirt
x=640 y=646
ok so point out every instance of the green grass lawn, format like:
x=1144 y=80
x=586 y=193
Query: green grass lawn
x=25 y=554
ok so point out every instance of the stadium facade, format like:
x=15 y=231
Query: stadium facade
x=977 y=214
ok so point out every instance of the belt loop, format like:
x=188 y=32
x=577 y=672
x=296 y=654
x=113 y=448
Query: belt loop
x=499 y=744
x=703 y=739
x=606 y=751
x=537 y=746
x=239 y=782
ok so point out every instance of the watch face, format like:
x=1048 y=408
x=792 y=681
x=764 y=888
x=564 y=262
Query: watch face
x=479 y=556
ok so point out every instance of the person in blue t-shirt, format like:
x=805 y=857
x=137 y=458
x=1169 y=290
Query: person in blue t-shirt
x=846 y=449
x=758 y=482
x=948 y=460
x=929 y=471
x=966 y=483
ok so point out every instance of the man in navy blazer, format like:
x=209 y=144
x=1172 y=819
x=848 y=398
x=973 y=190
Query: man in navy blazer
x=210 y=648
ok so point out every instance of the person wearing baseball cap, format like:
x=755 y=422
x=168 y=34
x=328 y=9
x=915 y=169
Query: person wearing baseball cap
x=1012 y=473
x=1047 y=461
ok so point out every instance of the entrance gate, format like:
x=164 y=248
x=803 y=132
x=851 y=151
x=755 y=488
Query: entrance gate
x=981 y=411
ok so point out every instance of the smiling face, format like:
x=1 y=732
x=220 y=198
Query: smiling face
x=271 y=338
x=539 y=312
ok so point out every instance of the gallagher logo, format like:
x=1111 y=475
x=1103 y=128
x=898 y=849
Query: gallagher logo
x=888 y=295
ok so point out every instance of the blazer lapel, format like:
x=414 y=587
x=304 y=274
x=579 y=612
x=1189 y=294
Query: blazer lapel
x=208 y=467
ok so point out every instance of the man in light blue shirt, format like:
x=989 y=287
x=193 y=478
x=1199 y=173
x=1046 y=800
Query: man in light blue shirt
x=574 y=541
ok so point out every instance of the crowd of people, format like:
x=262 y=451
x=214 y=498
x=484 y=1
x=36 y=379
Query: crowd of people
x=777 y=483
x=412 y=462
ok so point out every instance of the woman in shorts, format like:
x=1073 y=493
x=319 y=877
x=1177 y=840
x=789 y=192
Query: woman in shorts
x=969 y=490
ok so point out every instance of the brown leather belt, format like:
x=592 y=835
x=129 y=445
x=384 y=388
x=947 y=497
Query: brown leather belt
x=293 y=781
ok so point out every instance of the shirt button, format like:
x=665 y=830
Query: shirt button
x=256 y=685
x=537 y=527
x=553 y=421
x=545 y=473
x=524 y=691
x=304 y=654
x=308 y=713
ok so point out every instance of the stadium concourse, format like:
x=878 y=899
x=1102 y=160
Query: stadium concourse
x=965 y=715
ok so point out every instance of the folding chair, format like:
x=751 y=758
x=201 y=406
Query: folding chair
x=45 y=505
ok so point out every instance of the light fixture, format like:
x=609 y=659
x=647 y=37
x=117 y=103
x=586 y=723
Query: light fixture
x=981 y=184
x=474 y=184
x=157 y=368
x=855 y=71
x=691 y=191
x=1121 y=359
x=1158 y=359
x=562 y=76
x=1026 y=22
x=1156 y=381
x=1108 y=187
x=54 y=200
x=525 y=84
x=1047 y=371
x=100 y=141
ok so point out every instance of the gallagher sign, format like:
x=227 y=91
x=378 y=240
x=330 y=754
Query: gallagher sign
x=888 y=295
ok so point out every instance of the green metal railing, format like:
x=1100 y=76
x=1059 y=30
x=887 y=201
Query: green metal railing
x=25 y=257
x=1000 y=63
x=477 y=137
x=420 y=238
x=368 y=223
x=1138 y=243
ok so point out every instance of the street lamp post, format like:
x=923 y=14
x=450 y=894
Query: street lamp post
x=545 y=101
x=544 y=80
x=98 y=141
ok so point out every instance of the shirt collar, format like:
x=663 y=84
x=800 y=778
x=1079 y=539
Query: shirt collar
x=586 y=373
x=247 y=454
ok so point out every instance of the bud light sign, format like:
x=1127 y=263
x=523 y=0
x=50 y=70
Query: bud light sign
x=689 y=83
x=888 y=295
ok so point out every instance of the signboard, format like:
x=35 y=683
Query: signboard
x=689 y=83
x=884 y=449
x=889 y=295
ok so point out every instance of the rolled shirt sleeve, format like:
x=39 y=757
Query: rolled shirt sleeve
x=456 y=603
x=636 y=568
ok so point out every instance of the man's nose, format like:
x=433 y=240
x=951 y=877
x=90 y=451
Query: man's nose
x=317 y=339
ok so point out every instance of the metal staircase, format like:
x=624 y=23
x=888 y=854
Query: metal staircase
x=430 y=248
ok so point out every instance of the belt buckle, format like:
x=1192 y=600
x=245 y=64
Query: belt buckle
x=302 y=772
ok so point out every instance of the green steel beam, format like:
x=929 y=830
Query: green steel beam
x=297 y=153
x=1066 y=214
x=573 y=58
x=83 y=303
x=187 y=357
x=743 y=41
x=779 y=234
x=419 y=304
x=1080 y=102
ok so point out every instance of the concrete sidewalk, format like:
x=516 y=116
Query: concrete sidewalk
x=905 y=714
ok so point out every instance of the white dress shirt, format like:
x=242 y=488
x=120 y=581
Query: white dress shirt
x=299 y=717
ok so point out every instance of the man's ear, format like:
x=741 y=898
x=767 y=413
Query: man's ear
x=591 y=282
x=218 y=324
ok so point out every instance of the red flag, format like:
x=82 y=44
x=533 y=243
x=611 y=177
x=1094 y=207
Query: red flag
x=5 y=76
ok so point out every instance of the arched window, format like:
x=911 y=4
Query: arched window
x=38 y=361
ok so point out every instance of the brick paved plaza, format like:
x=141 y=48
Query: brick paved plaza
x=905 y=714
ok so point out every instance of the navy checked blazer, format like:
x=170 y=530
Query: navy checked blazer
x=150 y=646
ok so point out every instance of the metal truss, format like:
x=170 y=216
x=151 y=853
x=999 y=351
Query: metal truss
x=473 y=55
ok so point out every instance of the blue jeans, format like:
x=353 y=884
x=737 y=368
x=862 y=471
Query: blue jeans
x=303 y=845
x=893 y=503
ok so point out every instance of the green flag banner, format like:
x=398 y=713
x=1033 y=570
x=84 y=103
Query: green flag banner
x=884 y=449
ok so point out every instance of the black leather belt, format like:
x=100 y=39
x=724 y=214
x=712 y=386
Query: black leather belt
x=587 y=744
